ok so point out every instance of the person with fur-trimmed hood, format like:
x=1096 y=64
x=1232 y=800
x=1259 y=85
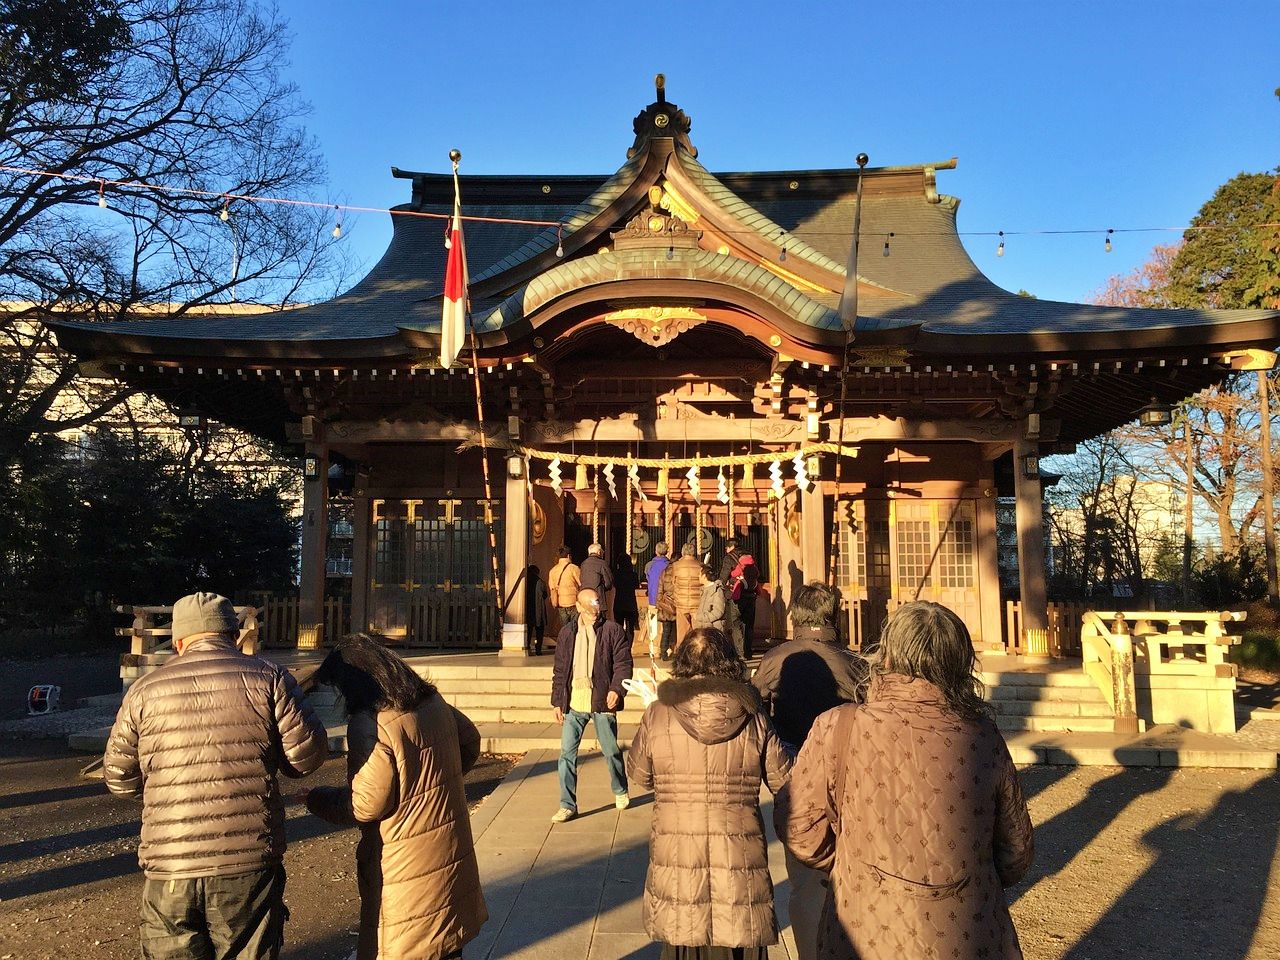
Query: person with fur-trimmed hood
x=703 y=748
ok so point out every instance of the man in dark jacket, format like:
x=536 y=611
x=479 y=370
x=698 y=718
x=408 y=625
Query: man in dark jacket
x=593 y=657
x=201 y=740
x=596 y=575
x=801 y=679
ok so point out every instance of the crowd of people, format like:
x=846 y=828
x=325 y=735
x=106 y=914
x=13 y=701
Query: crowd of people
x=895 y=796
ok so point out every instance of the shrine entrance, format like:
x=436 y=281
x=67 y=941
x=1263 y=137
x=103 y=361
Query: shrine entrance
x=904 y=549
x=431 y=579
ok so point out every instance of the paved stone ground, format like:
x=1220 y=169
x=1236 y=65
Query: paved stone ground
x=1131 y=863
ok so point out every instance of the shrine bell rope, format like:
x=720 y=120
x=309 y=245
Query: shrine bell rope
x=666 y=463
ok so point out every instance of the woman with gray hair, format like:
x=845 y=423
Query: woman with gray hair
x=911 y=803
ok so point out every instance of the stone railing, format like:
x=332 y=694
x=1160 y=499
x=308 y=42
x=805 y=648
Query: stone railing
x=1163 y=667
x=151 y=637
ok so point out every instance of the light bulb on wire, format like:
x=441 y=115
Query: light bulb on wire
x=885 y=252
x=1000 y=246
x=225 y=215
x=1106 y=245
x=560 y=242
x=337 y=227
x=102 y=194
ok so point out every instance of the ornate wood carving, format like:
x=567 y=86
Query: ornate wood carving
x=655 y=326
x=879 y=357
x=662 y=119
x=654 y=227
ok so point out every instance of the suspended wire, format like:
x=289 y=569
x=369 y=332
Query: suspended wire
x=225 y=198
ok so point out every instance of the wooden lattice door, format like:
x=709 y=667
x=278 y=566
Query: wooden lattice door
x=934 y=547
x=431 y=580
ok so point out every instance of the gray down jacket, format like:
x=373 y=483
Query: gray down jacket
x=201 y=740
x=704 y=747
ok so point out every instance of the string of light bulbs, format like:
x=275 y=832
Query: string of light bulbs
x=226 y=198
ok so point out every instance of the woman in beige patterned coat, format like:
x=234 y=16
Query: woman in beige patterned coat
x=912 y=804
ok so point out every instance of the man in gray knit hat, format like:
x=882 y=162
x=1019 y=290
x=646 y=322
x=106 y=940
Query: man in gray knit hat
x=201 y=741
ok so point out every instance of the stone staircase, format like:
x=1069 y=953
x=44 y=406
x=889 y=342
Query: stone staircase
x=1029 y=698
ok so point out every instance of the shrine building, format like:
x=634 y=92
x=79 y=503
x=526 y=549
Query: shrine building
x=665 y=363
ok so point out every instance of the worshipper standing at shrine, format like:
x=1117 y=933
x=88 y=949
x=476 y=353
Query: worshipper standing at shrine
x=593 y=657
x=799 y=680
x=686 y=587
x=703 y=748
x=653 y=581
x=667 y=612
x=201 y=740
x=744 y=585
x=537 y=600
x=730 y=560
x=597 y=576
x=625 y=583
x=407 y=751
x=717 y=611
x=563 y=581
x=911 y=803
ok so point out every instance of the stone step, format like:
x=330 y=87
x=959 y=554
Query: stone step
x=1063 y=677
x=541 y=714
x=1062 y=708
x=1089 y=694
x=1056 y=724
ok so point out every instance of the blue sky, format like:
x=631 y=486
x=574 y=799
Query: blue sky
x=1064 y=115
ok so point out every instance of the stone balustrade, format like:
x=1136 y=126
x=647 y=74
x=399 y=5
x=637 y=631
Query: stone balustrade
x=1163 y=667
x=151 y=638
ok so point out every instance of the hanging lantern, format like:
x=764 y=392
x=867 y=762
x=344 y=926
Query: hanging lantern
x=580 y=477
x=553 y=472
x=802 y=474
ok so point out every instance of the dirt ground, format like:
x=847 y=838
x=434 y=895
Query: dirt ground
x=69 y=879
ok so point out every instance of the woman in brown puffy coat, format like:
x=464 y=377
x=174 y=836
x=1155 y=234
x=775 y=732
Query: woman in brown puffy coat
x=912 y=804
x=407 y=750
x=704 y=748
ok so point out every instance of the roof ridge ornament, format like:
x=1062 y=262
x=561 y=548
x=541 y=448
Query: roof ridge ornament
x=662 y=120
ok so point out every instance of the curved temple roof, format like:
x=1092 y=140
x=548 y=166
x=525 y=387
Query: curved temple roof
x=768 y=237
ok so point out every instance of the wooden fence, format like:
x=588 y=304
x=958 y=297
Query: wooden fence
x=1064 y=629
x=463 y=618
x=278 y=618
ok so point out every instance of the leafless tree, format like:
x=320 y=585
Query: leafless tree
x=134 y=94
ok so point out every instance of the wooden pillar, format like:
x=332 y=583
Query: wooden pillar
x=988 y=560
x=813 y=532
x=1030 y=516
x=515 y=513
x=315 y=533
x=787 y=573
x=360 y=555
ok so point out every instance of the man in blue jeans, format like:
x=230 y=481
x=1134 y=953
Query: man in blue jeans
x=593 y=657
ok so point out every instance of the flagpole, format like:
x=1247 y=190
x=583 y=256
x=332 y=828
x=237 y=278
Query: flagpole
x=455 y=156
x=849 y=320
